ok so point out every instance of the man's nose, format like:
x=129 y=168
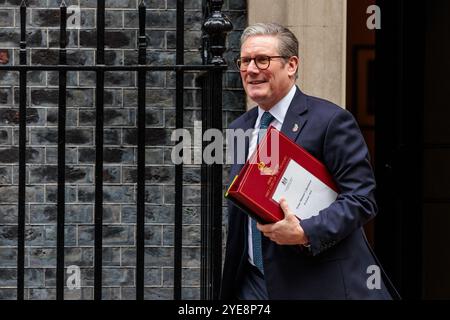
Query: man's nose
x=252 y=67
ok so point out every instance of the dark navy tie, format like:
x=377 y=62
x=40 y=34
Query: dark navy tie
x=266 y=119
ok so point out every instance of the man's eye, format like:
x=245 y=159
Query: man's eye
x=262 y=59
x=245 y=60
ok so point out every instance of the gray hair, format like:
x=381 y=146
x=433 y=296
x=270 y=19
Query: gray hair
x=287 y=41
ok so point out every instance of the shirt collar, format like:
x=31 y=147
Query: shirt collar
x=279 y=110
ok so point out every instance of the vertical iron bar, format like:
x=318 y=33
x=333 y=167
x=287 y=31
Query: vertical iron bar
x=204 y=279
x=98 y=210
x=211 y=192
x=215 y=190
x=179 y=167
x=61 y=156
x=217 y=25
x=22 y=154
x=204 y=253
x=140 y=210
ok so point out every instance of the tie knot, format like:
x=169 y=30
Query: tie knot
x=266 y=119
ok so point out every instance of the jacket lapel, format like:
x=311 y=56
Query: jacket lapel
x=248 y=123
x=296 y=116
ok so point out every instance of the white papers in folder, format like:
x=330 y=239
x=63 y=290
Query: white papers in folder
x=305 y=194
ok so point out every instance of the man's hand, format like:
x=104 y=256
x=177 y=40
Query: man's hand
x=286 y=231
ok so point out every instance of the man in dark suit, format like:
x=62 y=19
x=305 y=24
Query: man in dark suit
x=322 y=257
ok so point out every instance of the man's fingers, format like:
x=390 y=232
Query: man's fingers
x=284 y=206
x=262 y=227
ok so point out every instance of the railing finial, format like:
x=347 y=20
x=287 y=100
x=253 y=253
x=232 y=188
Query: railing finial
x=217 y=26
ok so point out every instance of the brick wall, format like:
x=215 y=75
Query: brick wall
x=119 y=153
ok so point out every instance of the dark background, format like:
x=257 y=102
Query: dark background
x=409 y=139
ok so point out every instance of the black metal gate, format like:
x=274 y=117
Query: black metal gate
x=215 y=27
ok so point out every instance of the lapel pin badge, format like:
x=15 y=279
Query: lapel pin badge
x=295 y=128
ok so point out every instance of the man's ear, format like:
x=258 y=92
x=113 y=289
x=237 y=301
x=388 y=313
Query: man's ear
x=293 y=65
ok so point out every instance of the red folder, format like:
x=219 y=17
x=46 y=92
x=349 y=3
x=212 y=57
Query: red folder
x=279 y=167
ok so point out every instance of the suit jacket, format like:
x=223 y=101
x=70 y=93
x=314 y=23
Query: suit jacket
x=336 y=264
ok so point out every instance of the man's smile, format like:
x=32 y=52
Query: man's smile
x=255 y=82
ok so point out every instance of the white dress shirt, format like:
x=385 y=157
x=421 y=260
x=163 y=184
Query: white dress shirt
x=278 y=111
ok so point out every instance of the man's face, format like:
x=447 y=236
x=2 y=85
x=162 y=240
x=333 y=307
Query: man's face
x=267 y=87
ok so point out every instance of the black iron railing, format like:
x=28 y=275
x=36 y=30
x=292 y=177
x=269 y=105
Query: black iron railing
x=215 y=28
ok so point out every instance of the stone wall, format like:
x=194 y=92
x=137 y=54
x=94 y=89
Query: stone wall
x=120 y=150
